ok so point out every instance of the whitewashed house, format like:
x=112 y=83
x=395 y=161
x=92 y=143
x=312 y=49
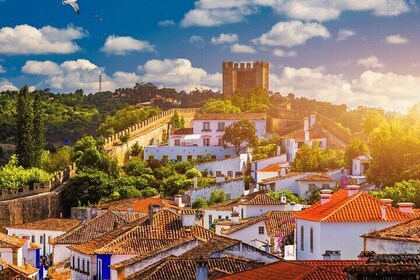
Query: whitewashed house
x=331 y=228
x=360 y=166
x=230 y=167
x=258 y=165
x=41 y=232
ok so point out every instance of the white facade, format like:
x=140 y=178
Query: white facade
x=252 y=235
x=186 y=153
x=259 y=164
x=360 y=165
x=306 y=187
x=39 y=237
x=386 y=246
x=83 y=267
x=209 y=216
x=231 y=167
x=60 y=253
x=287 y=183
x=343 y=237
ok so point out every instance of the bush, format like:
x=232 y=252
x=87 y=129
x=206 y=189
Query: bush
x=217 y=197
x=290 y=197
x=193 y=172
x=199 y=203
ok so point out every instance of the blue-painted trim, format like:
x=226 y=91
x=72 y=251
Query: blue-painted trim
x=106 y=270
x=38 y=263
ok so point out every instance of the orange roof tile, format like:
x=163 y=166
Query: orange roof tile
x=232 y=116
x=262 y=199
x=143 y=204
x=360 y=207
x=274 y=167
x=8 y=241
x=50 y=224
x=182 y=131
x=408 y=231
x=315 y=132
x=316 y=178
x=278 y=178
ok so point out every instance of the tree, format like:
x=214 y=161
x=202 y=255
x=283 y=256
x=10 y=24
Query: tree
x=136 y=150
x=125 y=138
x=176 y=121
x=24 y=129
x=240 y=134
x=38 y=130
x=199 y=203
x=193 y=172
x=372 y=120
x=355 y=148
x=395 y=151
x=217 y=197
x=314 y=159
x=53 y=162
x=290 y=197
x=405 y=191
x=217 y=106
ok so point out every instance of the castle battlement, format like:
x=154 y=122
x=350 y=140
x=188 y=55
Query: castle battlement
x=244 y=66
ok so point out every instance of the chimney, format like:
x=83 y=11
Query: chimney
x=195 y=181
x=306 y=136
x=383 y=212
x=352 y=189
x=306 y=124
x=188 y=217
x=178 y=200
x=325 y=196
x=153 y=208
x=366 y=255
x=234 y=218
x=405 y=207
x=278 y=150
x=331 y=255
x=283 y=199
x=387 y=201
x=202 y=269
x=283 y=171
x=313 y=120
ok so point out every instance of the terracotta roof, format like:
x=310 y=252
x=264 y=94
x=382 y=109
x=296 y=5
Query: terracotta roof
x=11 y=274
x=50 y=224
x=188 y=211
x=336 y=266
x=274 y=167
x=34 y=246
x=118 y=205
x=141 y=237
x=233 y=116
x=315 y=132
x=101 y=224
x=360 y=207
x=208 y=248
x=278 y=178
x=387 y=265
x=262 y=199
x=8 y=241
x=226 y=205
x=275 y=222
x=185 y=269
x=182 y=131
x=143 y=204
x=408 y=231
x=287 y=271
x=26 y=269
x=316 y=178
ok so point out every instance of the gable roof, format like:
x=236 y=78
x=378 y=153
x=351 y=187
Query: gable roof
x=142 y=205
x=408 y=231
x=387 y=265
x=142 y=237
x=274 y=167
x=279 y=178
x=276 y=222
x=256 y=198
x=182 y=131
x=287 y=271
x=262 y=199
x=232 y=116
x=315 y=132
x=185 y=269
x=360 y=207
x=316 y=178
x=8 y=241
x=11 y=274
x=49 y=224
x=101 y=224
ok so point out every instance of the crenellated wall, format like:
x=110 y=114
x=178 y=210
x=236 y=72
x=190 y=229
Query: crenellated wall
x=149 y=132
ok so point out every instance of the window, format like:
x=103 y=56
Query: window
x=311 y=187
x=99 y=269
x=206 y=126
x=83 y=265
x=220 y=142
x=88 y=267
x=189 y=157
x=210 y=220
x=302 y=238
x=325 y=186
x=206 y=142
x=311 y=240
x=41 y=239
x=151 y=157
x=220 y=126
x=165 y=158
x=78 y=263
x=242 y=213
x=230 y=174
x=179 y=158
x=73 y=263
x=177 y=142
x=213 y=157
x=33 y=238
x=220 y=217
x=199 y=157
x=227 y=217
x=260 y=230
x=218 y=173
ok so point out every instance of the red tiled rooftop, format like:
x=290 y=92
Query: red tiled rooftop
x=408 y=231
x=316 y=178
x=143 y=204
x=50 y=224
x=274 y=167
x=360 y=207
x=182 y=131
x=8 y=241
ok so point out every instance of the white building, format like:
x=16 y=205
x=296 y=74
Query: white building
x=331 y=228
x=41 y=232
x=184 y=153
x=230 y=167
x=257 y=165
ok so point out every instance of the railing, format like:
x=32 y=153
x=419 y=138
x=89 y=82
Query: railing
x=57 y=180
x=145 y=125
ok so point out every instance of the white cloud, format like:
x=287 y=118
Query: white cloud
x=83 y=74
x=2 y=70
x=371 y=62
x=196 y=39
x=124 y=45
x=283 y=53
x=344 y=34
x=218 y=12
x=387 y=90
x=396 y=39
x=238 y=48
x=166 y=22
x=292 y=33
x=26 y=39
x=41 y=68
x=6 y=85
x=223 y=38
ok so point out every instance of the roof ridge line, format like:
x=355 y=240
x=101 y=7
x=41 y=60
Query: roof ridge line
x=353 y=197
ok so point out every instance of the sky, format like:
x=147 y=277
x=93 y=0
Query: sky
x=356 y=52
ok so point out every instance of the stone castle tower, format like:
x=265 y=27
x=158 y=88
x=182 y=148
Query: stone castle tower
x=244 y=77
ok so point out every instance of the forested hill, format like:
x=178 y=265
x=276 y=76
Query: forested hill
x=71 y=116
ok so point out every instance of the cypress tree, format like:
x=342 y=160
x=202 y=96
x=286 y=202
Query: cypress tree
x=38 y=134
x=24 y=128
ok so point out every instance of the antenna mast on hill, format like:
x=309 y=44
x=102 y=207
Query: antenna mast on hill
x=100 y=82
